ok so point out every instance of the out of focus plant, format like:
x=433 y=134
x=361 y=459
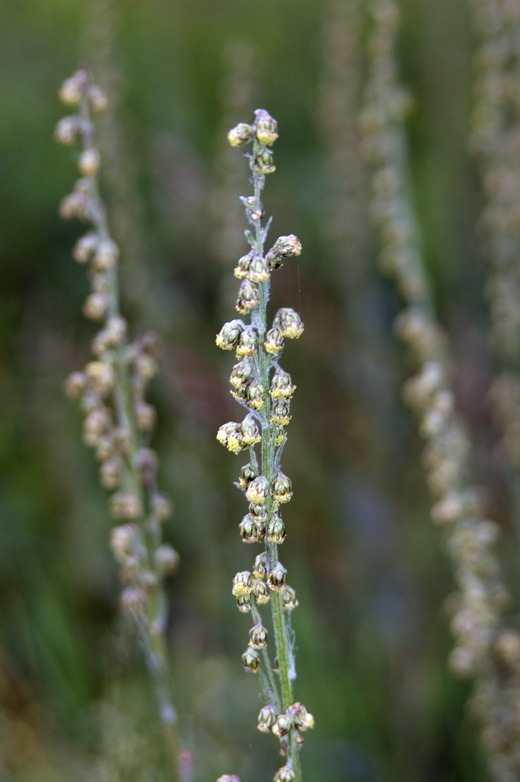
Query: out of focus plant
x=486 y=652
x=118 y=419
x=265 y=390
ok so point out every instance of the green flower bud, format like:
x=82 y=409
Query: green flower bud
x=161 y=506
x=242 y=372
x=125 y=505
x=264 y=161
x=289 y=323
x=230 y=436
x=250 y=530
x=166 y=558
x=258 y=269
x=280 y=412
x=67 y=130
x=266 y=128
x=260 y=566
x=255 y=395
x=282 y=488
x=281 y=385
x=89 y=162
x=258 y=637
x=277 y=576
x=106 y=255
x=274 y=341
x=71 y=91
x=244 y=603
x=240 y=134
x=85 y=247
x=300 y=716
x=110 y=473
x=288 y=596
x=133 y=601
x=247 y=474
x=275 y=532
x=282 y=725
x=229 y=335
x=260 y=591
x=251 y=660
x=285 y=774
x=98 y=99
x=258 y=490
x=284 y=247
x=266 y=718
x=75 y=384
x=122 y=541
x=248 y=297
x=242 y=583
x=248 y=343
x=249 y=431
x=242 y=268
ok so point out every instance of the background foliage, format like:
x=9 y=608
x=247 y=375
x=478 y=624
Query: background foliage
x=369 y=568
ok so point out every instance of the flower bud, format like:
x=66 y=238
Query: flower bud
x=285 y=773
x=67 y=130
x=242 y=267
x=289 y=599
x=244 y=603
x=231 y=437
x=250 y=530
x=281 y=385
x=282 y=725
x=96 y=305
x=89 y=161
x=274 y=341
x=240 y=134
x=277 y=576
x=275 y=532
x=102 y=376
x=282 y=488
x=260 y=591
x=133 y=600
x=125 y=505
x=242 y=584
x=229 y=335
x=248 y=342
x=110 y=473
x=85 y=247
x=301 y=717
x=247 y=474
x=98 y=99
x=289 y=323
x=260 y=566
x=248 y=297
x=122 y=541
x=71 y=91
x=267 y=717
x=166 y=558
x=75 y=205
x=258 y=269
x=264 y=161
x=258 y=637
x=254 y=395
x=280 y=412
x=284 y=247
x=251 y=660
x=106 y=255
x=242 y=372
x=145 y=416
x=229 y=778
x=249 y=432
x=258 y=490
x=266 y=128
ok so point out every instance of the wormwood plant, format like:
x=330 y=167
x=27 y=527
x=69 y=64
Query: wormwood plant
x=265 y=390
x=111 y=390
x=486 y=651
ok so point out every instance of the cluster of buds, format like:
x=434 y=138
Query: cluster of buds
x=476 y=608
x=111 y=389
x=264 y=389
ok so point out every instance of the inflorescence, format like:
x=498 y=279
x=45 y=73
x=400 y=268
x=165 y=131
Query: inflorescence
x=118 y=419
x=265 y=390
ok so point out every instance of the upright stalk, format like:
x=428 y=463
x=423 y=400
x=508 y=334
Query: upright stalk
x=264 y=389
x=118 y=419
